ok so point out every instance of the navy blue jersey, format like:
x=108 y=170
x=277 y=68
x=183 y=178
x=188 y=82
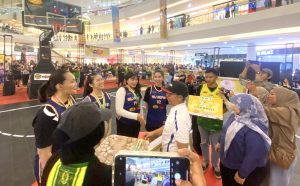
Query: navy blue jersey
x=103 y=103
x=131 y=104
x=57 y=108
x=157 y=108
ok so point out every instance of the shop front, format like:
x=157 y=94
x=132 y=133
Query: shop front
x=289 y=58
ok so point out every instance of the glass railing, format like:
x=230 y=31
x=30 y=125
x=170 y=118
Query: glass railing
x=218 y=12
x=10 y=30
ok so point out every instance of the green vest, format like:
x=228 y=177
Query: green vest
x=67 y=175
x=211 y=125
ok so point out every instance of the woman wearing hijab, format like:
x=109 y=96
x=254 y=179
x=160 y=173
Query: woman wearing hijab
x=283 y=111
x=243 y=136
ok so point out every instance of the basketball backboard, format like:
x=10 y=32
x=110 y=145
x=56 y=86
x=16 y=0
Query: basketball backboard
x=44 y=14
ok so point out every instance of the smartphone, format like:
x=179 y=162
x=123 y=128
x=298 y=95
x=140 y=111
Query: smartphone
x=149 y=168
x=254 y=62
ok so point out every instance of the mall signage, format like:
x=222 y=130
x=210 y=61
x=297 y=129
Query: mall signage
x=265 y=52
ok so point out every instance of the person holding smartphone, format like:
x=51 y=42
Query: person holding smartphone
x=128 y=109
x=263 y=76
x=56 y=93
x=156 y=103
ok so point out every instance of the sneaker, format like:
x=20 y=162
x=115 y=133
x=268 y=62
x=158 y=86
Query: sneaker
x=205 y=167
x=217 y=172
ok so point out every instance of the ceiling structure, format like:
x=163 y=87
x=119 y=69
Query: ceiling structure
x=89 y=5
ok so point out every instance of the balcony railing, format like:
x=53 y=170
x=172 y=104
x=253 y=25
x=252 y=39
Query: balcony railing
x=223 y=11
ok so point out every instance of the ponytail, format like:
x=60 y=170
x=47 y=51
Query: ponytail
x=43 y=92
x=48 y=89
x=89 y=80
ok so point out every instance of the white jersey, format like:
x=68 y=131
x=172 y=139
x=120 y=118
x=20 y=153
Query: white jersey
x=177 y=128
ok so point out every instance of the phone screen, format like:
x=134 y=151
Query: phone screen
x=149 y=171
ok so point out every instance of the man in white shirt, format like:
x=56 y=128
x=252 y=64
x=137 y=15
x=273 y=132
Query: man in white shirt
x=175 y=133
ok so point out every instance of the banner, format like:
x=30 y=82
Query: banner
x=41 y=76
x=1 y=58
x=163 y=19
x=93 y=51
x=23 y=47
x=207 y=107
x=232 y=84
x=116 y=23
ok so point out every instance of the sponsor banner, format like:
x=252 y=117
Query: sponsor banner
x=41 y=76
x=23 y=47
x=163 y=19
x=207 y=107
x=93 y=51
x=116 y=23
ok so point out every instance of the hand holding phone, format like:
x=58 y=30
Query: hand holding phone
x=197 y=176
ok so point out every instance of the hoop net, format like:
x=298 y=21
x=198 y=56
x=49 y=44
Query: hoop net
x=58 y=27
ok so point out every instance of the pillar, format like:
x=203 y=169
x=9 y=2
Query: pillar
x=251 y=51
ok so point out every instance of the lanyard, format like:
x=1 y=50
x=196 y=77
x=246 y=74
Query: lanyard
x=60 y=102
x=103 y=106
x=134 y=94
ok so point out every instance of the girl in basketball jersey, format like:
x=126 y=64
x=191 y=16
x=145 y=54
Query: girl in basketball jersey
x=93 y=89
x=156 y=103
x=128 y=109
x=56 y=93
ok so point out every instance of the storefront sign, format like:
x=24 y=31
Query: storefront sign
x=281 y=51
x=23 y=47
x=132 y=52
x=116 y=23
x=265 y=52
x=93 y=51
x=41 y=77
x=207 y=107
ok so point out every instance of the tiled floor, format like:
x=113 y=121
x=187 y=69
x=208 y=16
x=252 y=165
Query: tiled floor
x=16 y=154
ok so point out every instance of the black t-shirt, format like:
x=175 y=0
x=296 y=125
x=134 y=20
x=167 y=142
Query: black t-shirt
x=44 y=124
x=147 y=94
x=97 y=173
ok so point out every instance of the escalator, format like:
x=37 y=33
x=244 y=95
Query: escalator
x=64 y=59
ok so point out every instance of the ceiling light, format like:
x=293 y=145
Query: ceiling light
x=225 y=42
x=189 y=45
x=189 y=5
x=280 y=38
x=232 y=46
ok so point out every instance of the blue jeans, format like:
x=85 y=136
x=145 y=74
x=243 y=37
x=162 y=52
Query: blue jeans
x=209 y=138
